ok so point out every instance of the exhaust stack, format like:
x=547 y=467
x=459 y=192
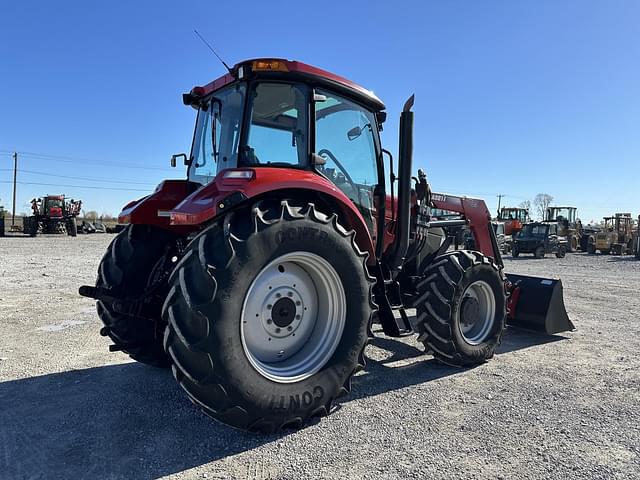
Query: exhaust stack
x=401 y=243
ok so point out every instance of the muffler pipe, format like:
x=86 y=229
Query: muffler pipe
x=405 y=160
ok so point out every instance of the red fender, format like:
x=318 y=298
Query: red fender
x=176 y=206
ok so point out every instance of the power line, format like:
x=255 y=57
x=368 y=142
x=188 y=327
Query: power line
x=66 y=159
x=91 y=187
x=78 y=178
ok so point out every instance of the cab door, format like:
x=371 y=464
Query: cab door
x=346 y=138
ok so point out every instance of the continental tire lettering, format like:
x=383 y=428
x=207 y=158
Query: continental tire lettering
x=318 y=392
x=296 y=401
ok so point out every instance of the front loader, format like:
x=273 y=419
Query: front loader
x=257 y=278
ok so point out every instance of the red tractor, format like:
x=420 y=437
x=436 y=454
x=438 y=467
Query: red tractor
x=258 y=277
x=514 y=218
x=52 y=214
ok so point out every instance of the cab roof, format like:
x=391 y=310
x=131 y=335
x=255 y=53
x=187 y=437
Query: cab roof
x=294 y=70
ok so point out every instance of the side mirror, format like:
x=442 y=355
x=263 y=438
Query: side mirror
x=354 y=133
x=176 y=156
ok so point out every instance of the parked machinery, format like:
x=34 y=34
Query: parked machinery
x=52 y=214
x=539 y=239
x=258 y=276
x=616 y=236
x=636 y=240
x=513 y=218
x=568 y=225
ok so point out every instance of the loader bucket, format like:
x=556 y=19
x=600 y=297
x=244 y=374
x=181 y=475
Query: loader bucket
x=537 y=304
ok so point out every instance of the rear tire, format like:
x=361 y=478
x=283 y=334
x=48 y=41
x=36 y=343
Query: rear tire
x=591 y=249
x=515 y=253
x=227 y=274
x=126 y=269
x=561 y=252
x=450 y=297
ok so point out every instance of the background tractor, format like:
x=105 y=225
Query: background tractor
x=513 y=218
x=52 y=214
x=616 y=236
x=567 y=225
x=257 y=278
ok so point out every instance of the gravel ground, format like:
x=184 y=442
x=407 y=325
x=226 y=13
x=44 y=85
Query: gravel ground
x=545 y=407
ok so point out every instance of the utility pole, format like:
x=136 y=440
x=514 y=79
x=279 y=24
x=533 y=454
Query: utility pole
x=15 y=173
x=499 y=202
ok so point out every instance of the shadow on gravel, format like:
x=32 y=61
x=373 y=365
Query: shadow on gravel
x=517 y=339
x=621 y=258
x=116 y=421
x=132 y=421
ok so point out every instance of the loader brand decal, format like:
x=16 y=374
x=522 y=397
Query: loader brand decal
x=439 y=198
x=297 y=401
x=301 y=233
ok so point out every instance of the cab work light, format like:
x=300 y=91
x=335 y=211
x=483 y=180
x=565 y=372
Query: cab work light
x=269 y=65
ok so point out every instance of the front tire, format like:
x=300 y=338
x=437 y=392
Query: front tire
x=461 y=308
x=539 y=252
x=239 y=296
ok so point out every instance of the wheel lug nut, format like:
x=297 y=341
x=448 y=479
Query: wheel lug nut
x=290 y=294
x=297 y=317
x=298 y=303
x=269 y=321
x=278 y=295
x=269 y=307
x=289 y=328
x=277 y=330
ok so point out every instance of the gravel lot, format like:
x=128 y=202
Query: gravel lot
x=544 y=407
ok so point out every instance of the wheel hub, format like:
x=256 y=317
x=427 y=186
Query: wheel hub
x=477 y=312
x=293 y=317
x=470 y=310
x=282 y=311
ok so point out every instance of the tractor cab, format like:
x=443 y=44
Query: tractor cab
x=565 y=216
x=53 y=206
x=567 y=224
x=513 y=218
x=285 y=120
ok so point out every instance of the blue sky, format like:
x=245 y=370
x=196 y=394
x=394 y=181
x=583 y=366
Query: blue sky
x=511 y=97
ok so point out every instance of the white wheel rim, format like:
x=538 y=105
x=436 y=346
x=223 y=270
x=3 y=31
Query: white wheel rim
x=293 y=317
x=477 y=312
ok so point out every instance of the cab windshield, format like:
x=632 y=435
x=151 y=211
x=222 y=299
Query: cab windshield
x=561 y=213
x=217 y=134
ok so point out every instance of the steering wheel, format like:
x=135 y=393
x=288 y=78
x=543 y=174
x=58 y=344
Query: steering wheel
x=333 y=158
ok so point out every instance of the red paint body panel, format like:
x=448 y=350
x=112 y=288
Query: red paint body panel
x=202 y=205
x=55 y=212
x=166 y=196
x=190 y=210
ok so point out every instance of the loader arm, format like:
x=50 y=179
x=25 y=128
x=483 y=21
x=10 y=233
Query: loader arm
x=478 y=217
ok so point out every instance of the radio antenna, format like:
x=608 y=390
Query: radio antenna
x=212 y=50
